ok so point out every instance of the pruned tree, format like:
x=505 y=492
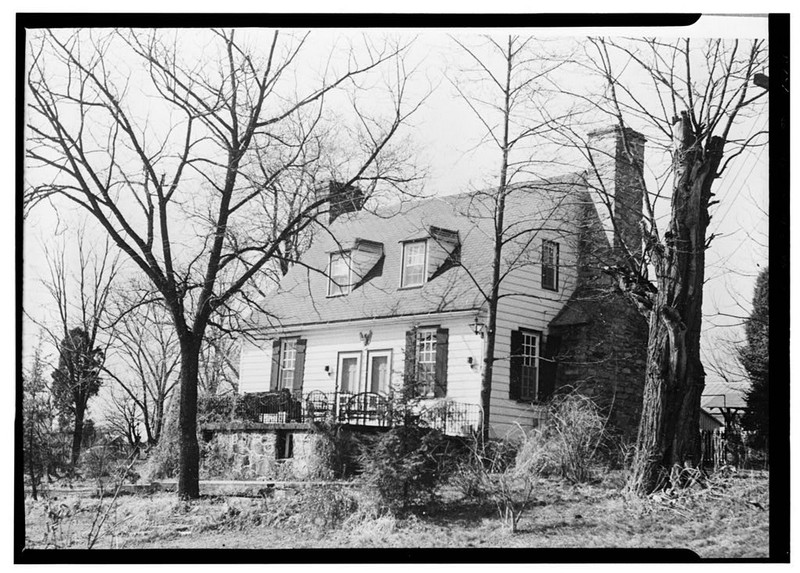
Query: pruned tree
x=697 y=104
x=201 y=156
x=754 y=356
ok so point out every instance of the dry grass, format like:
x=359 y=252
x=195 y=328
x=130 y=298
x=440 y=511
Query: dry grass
x=727 y=519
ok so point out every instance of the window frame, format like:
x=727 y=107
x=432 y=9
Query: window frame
x=406 y=244
x=282 y=370
x=534 y=389
x=552 y=265
x=347 y=257
x=429 y=385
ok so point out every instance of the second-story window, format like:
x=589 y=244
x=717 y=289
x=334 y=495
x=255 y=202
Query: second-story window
x=339 y=274
x=550 y=265
x=413 y=263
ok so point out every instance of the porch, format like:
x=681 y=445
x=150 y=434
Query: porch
x=361 y=409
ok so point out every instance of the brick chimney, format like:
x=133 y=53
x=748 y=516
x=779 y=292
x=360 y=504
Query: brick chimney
x=618 y=184
x=343 y=198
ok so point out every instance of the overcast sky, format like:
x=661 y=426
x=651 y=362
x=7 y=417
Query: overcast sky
x=447 y=135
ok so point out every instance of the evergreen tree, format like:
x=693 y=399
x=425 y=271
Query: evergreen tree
x=755 y=359
x=37 y=424
x=76 y=379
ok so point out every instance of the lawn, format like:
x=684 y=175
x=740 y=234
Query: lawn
x=727 y=519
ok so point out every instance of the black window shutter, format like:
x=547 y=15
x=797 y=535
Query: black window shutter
x=440 y=387
x=515 y=374
x=299 y=366
x=276 y=364
x=547 y=367
x=409 y=374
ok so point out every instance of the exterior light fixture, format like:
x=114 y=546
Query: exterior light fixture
x=477 y=327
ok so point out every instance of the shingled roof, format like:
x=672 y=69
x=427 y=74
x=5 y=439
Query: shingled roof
x=302 y=299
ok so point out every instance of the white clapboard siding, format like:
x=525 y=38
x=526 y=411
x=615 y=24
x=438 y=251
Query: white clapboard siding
x=255 y=365
x=534 y=312
x=324 y=344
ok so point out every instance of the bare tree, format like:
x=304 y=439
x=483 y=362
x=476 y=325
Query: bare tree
x=502 y=89
x=201 y=155
x=124 y=418
x=147 y=357
x=219 y=372
x=697 y=105
x=80 y=283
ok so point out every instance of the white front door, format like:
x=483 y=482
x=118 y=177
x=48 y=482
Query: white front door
x=379 y=368
x=349 y=372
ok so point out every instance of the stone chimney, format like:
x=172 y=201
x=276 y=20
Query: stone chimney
x=618 y=185
x=343 y=198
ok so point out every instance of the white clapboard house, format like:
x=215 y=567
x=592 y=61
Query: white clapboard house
x=403 y=297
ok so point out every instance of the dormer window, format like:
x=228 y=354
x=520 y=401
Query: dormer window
x=339 y=274
x=414 y=254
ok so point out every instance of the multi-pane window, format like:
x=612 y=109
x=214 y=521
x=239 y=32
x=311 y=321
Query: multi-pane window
x=339 y=274
x=550 y=265
x=413 y=263
x=288 y=361
x=426 y=361
x=530 y=366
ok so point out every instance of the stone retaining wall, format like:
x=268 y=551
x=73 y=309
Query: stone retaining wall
x=240 y=452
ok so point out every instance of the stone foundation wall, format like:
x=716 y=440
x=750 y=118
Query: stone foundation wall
x=231 y=452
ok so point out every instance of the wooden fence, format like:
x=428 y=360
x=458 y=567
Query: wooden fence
x=718 y=449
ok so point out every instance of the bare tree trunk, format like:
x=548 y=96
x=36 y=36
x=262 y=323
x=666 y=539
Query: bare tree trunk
x=497 y=259
x=32 y=451
x=669 y=428
x=189 y=459
x=77 y=434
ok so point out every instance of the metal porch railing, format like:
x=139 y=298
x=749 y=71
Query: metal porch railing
x=360 y=409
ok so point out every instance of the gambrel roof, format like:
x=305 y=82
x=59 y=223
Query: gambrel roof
x=302 y=297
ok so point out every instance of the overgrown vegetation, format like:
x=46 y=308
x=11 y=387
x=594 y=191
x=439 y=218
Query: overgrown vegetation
x=727 y=519
x=336 y=451
x=405 y=465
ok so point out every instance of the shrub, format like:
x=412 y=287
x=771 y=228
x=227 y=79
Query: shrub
x=108 y=461
x=336 y=451
x=215 y=463
x=489 y=474
x=404 y=466
x=328 y=506
x=216 y=408
x=568 y=442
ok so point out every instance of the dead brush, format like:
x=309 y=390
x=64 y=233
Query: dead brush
x=509 y=486
x=59 y=521
x=568 y=442
x=721 y=492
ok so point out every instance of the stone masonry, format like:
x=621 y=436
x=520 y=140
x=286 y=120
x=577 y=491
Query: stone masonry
x=603 y=350
x=249 y=451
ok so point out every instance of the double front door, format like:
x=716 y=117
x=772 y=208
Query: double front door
x=374 y=376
